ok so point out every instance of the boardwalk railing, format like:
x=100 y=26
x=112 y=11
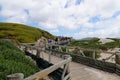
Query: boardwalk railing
x=99 y=64
x=48 y=70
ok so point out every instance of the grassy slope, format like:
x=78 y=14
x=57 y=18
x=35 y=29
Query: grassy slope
x=12 y=60
x=94 y=44
x=22 y=33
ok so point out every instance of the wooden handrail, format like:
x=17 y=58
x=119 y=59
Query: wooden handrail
x=49 y=70
x=77 y=47
x=73 y=47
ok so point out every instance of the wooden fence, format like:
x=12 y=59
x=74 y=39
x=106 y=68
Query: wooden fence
x=99 y=64
x=48 y=71
x=53 y=71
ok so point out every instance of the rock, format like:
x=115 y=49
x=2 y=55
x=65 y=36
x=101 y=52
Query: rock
x=41 y=42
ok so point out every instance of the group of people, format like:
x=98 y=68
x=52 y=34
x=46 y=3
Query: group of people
x=58 y=39
x=48 y=42
x=62 y=39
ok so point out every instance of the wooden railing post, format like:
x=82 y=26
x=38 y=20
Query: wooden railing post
x=117 y=57
x=38 y=53
x=25 y=49
x=32 y=51
x=16 y=76
x=49 y=57
x=66 y=50
x=66 y=69
x=42 y=55
x=60 y=49
x=94 y=55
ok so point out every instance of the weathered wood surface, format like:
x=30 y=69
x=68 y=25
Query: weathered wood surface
x=49 y=70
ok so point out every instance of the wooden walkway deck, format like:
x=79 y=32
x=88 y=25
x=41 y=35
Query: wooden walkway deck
x=82 y=72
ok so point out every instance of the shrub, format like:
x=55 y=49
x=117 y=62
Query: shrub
x=90 y=54
x=87 y=53
x=12 y=60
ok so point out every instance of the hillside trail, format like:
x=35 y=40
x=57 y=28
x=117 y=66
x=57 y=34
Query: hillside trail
x=82 y=72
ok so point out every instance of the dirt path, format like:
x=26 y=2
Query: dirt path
x=82 y=72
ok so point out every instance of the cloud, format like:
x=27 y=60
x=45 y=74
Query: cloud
x=110 y=28
x=54 y=30
x=94 y=17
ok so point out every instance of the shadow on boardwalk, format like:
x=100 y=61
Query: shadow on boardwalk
x=82 y=72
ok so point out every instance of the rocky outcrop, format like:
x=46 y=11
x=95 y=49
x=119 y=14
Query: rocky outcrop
x=41 y=42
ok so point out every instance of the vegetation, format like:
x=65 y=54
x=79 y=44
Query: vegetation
x=22 y=33
x=87 y=53
x=12 y=60
x=90 y=54
x=95 y=44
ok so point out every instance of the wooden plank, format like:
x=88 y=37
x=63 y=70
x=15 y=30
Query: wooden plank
x=49 y=70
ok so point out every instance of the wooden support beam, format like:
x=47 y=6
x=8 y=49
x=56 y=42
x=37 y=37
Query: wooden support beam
x=50 y=56
x=66 y=68
x=109 y=57
x=82 y=53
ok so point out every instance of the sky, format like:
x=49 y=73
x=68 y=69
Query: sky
x=73 y=18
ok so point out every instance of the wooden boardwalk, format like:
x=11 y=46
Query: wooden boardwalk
x=82 y=72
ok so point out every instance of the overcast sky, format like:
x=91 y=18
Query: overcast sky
x=75 y=18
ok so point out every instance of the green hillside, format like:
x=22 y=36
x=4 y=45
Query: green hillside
x=12 y=60
x=22 y=33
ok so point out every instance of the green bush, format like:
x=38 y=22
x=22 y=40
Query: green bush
x=63 y=49
x=90 y=54
x=75 y=52
x=87 y=53
x=12 y=60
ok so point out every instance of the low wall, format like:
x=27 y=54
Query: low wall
x=102 y=65
x=106 y=66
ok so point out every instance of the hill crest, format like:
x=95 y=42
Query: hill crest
x=22 y=33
